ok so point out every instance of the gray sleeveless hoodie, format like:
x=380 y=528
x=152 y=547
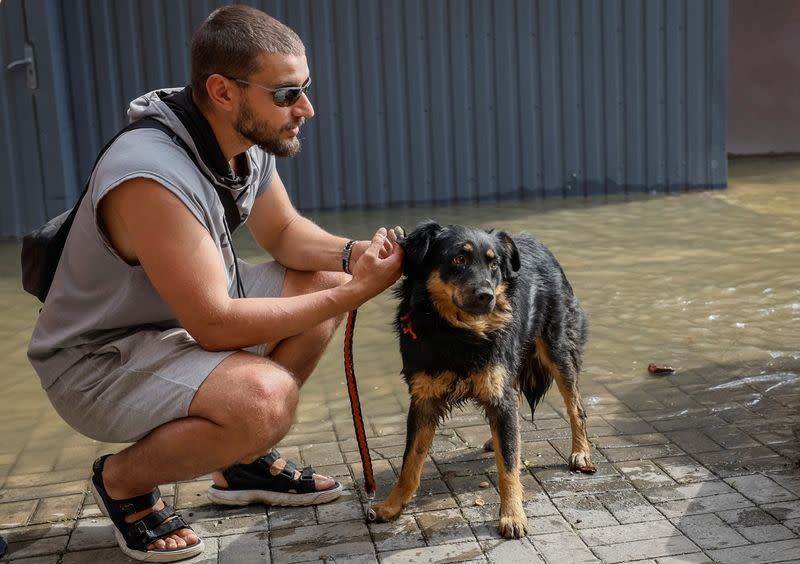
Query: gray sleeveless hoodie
x=96 y=297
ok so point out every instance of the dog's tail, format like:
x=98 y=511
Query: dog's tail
x=533 y=381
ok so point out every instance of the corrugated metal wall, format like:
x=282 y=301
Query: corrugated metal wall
x=417 y=101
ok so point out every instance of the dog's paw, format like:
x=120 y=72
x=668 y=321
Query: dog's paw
x=581 y=462
x=513 y=527
x=385 y=512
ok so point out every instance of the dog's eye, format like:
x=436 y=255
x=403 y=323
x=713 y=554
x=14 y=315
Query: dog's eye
x=493 y=265
x=459 y=259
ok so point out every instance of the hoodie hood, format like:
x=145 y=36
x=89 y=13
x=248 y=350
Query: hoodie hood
x=175 y=108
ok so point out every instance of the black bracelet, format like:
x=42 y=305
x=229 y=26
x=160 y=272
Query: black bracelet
x=348 y=249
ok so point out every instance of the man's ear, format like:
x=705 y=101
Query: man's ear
x=511 y=262
x=417 y=243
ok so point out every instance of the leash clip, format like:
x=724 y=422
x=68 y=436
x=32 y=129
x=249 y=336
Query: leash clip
x=370 y=512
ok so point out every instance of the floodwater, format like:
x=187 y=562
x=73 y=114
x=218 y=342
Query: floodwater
x=707 y=282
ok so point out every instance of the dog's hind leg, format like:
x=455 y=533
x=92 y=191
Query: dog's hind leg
x=421 y=426
x=565 y=374
x=505 y=436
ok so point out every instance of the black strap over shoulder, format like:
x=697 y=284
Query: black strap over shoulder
x=42 y=247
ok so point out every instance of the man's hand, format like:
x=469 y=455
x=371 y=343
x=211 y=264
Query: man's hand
x=360 y=248
x=376 y=264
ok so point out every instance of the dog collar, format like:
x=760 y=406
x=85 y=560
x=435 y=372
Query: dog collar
x=405 y=325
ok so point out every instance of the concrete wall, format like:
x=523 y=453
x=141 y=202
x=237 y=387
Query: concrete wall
x=764 y=74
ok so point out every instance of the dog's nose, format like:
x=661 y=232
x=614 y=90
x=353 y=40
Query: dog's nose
x=484 y=295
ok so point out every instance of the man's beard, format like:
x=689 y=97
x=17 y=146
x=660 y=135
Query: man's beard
x=266 y=137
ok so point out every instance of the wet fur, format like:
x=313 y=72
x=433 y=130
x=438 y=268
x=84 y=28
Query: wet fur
x=471 y=332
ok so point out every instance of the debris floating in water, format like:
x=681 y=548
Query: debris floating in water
x=660 y=369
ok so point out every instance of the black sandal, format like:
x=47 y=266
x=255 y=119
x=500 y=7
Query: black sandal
x=254 y=483
x=133 y=538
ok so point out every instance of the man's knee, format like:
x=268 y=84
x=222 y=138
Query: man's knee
x=268 y=403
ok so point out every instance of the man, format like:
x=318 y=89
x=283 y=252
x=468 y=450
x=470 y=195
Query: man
x=142 y=339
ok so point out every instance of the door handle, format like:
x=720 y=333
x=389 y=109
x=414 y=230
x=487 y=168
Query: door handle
x=30 y=63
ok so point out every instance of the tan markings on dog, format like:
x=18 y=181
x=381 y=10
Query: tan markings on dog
x=488 y=385
x=467 y=247
x=424 y=386
x=444 y=295
x=490 y=253
x=580 y=459
x=407 y=485
x=513 y=522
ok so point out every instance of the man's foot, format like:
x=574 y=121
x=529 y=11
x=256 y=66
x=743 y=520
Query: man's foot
x=145 y=528
x=271 y=480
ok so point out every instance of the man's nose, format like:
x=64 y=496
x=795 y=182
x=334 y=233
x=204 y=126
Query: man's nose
x=303 y=107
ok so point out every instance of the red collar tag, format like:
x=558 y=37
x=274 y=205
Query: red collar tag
x=405 y=324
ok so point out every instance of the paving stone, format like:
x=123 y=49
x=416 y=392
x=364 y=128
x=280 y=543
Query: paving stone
x=747 y=517
x=641 y=453
x=629 y=424
x=539 y=505
x=92 y=533
x=511 y=551
x=709 y=531
x=779 y=551
x=442 y=553
x=693 y=440
x=684 y=469
x=627 y=533
x=444 y=527
x=783 y=510
x=57 y=508
x=231 y=525
x=790 y=482
x=629 y=507
x=688 y=491
x=584 y=512
x=760 y=489
x=644 y=474
x=244 y=547
x=38 y=492
x=652 y=548
x=710 y=504
x=404 y=533
x=46 y=478
x=694 y=558
x=562 y=548
x=766 y=533
x=192 y=494
x=625 y=441
x=36 y=547
x=290 y=517
x=318 y=541
x=16 y=513
x=732 y=438
x=44 y=559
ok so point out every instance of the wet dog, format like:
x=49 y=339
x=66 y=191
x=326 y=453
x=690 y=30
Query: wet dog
x=486 y=317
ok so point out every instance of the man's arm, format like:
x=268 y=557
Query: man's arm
x=295 y=241
x=148 y=224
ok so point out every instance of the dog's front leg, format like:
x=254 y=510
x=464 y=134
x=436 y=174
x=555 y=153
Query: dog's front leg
x=506 y=441
x=421 y=426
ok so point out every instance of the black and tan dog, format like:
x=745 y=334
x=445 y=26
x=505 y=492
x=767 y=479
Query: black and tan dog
x=485 y=317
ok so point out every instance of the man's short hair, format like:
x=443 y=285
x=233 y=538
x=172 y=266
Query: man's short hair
x=230 y=41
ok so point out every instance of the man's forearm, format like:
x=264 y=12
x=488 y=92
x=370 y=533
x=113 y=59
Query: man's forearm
x=303 y=245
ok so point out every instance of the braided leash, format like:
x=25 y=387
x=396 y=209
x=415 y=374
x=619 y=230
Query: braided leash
x=358 y=421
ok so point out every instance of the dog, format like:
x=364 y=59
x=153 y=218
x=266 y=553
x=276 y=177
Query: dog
x=487 y=317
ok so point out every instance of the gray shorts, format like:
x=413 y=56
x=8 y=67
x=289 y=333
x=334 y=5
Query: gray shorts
x=132 y=385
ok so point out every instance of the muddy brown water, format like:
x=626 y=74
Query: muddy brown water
x=707 y=282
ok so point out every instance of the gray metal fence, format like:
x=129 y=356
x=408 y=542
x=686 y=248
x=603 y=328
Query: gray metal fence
x=417 y=101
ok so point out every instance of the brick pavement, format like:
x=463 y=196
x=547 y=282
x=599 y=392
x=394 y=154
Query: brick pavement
x=674 y=484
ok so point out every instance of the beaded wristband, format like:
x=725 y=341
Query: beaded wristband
x=348 y=249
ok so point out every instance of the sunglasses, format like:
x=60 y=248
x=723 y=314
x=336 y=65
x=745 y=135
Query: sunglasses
x=281 y=97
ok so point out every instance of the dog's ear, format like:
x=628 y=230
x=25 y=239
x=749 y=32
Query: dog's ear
x=511 y=262
x=417 y=243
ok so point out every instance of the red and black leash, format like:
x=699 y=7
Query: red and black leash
x=358 y=421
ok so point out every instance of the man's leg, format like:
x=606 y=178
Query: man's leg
x=244 y=407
